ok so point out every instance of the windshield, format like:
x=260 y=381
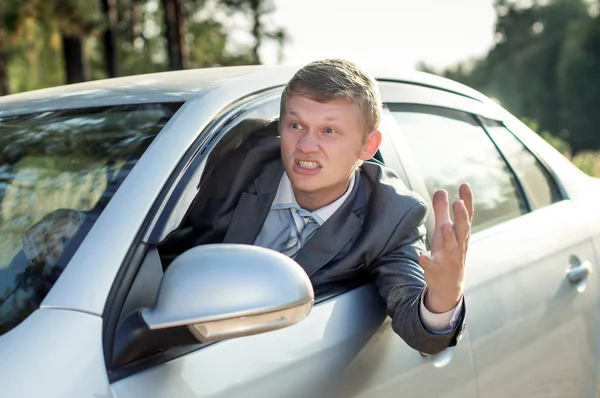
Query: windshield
x=58 y=171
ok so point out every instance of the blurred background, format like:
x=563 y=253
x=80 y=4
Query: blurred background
x=539 y=59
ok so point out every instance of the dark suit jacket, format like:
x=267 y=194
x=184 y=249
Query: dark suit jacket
x=377 y=234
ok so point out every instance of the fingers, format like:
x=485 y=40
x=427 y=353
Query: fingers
x=452 y=234
x=466 y=195
x=448 y=237
x=448 y=243
x=441 y=212
x=441 y=208
x=462 y=222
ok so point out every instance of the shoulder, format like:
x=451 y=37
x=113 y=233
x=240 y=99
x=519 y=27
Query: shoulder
x=233 y=155
x=387 y=192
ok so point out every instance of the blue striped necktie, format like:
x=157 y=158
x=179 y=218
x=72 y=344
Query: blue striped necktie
x=293 y=244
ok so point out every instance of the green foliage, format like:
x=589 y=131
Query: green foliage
x=586 y=161
x=578 y=80
x=35 y=28
x=545 y=66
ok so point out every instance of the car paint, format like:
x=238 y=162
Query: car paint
x=521 y=310
x=54 y=354
x=343 y=348
x=528 y=324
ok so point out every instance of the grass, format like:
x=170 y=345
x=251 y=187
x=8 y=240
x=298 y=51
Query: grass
x=588 y=162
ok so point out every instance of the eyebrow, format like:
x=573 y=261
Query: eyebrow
x=327 y=118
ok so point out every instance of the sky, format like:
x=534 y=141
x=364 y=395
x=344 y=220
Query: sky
x=399 y=33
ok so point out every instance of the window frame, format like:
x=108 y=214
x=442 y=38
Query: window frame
x=543 y=164
x=416 y=178
x=170 y=210
x=402 y=93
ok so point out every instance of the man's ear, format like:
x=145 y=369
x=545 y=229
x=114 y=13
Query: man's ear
x=371 y=145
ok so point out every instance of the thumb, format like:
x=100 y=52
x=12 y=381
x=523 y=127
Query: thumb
x=424 y=261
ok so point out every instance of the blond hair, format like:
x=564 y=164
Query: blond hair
x=335 y=79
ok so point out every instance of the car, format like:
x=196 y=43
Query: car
x=114 y=165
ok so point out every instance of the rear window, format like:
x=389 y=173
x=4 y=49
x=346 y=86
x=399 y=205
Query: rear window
x=58 y=171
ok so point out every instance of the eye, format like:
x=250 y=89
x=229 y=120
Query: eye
x=295 y=126
x=329 y=131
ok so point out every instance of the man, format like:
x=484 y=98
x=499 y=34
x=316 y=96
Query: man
x=313 y=195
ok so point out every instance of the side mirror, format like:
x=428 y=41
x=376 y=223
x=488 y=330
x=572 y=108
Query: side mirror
x=223 y=291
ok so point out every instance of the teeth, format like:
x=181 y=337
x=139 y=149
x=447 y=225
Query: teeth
x=308 y=165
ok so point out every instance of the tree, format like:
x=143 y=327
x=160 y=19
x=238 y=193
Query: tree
x=3 y=46
x=47 y=43
x=258 y=9
x=109 y=9
x=175 y=34
x=523 y=68
x=578 y=80
x=75 y=21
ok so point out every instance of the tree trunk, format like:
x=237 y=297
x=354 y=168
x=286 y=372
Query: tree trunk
x=257 y=29
x=109 y=7
x=174 y=34
x=3 y=71
x=136 y=22
x=75 y=69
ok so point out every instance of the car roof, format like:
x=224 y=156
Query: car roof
x=179 y=86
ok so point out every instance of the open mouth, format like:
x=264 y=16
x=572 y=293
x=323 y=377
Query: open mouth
x=305 y=164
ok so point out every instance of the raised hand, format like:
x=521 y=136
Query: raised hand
x=444 y=267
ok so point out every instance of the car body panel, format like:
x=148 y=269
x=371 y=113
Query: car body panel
x=153 y=87
x=528 y=323
x=522 y=311
x=344 y=348
x=54 y=354
x=408 y=93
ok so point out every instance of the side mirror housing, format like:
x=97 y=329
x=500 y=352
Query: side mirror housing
x=216 y=292
x=223 y=291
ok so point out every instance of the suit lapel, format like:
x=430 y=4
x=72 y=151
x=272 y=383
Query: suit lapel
x=252 y=209
x=332 y=236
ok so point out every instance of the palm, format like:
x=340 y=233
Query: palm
x=444 y=267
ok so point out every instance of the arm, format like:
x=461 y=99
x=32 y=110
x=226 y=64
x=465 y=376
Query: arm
x=401 y=283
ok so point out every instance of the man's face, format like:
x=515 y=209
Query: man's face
x=321 y=143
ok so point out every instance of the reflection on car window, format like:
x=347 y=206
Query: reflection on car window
x=58 y=170
x=536 y=180
x=449 y=148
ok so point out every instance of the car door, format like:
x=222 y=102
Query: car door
x=344 y=348
x=532 y=306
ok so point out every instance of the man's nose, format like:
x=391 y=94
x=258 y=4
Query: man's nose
x=308 y=143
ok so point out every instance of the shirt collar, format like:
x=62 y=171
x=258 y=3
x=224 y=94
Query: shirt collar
x=285 y=199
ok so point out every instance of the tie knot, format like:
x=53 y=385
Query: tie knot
x=300 y=220
x=294 y=242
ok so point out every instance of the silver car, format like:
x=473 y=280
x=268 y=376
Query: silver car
x=95 y=177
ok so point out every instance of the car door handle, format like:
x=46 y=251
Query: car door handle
x=579 y=272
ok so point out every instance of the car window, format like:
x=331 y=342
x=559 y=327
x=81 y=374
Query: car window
x=58 y=170
x=450 y=147
x=541 y=188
